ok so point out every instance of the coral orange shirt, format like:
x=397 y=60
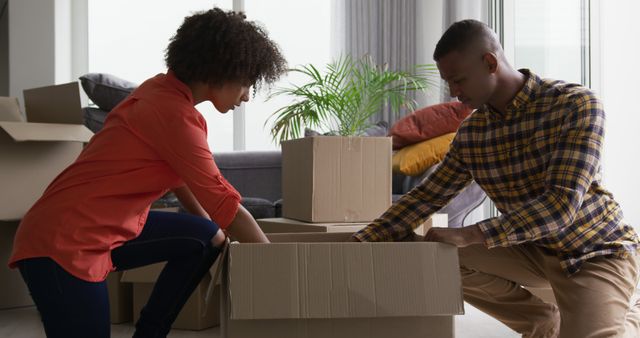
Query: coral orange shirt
x=155 y=140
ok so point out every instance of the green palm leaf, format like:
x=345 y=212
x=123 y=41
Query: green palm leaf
x=343 y=99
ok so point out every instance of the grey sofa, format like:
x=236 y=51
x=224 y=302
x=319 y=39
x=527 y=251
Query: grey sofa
x=257 y=176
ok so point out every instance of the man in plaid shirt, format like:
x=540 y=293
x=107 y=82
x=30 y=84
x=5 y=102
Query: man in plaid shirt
x=534 y=146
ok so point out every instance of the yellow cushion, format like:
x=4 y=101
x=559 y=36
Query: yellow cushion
x=417 y=158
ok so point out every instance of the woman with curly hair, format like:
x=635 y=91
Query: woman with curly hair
x=94 y=217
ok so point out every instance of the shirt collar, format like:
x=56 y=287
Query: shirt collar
x=173 y=81
x=528 y=92
x=526 y=95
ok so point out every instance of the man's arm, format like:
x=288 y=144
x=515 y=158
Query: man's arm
x=571 y=170
x=420 y=203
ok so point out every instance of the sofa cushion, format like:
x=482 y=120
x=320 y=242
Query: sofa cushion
x=416 y=159
x=259 y=207
x=253 y=173
x=427 y=123
x=106 y=90
x=94 y=118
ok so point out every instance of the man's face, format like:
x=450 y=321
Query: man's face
x=469 y=77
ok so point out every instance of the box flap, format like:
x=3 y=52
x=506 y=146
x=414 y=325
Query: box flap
x=54 y=104
x=21 y=131
x=308 y=237
x=284 y=225
x=10 y=109
x=343 y=280
x=280 y=220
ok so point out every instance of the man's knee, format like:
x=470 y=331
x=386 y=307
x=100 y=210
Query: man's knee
x=469 y=254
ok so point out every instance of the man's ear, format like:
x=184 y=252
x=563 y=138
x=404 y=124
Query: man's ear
x=491 y=62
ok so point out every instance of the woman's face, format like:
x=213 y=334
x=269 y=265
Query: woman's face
x=228 y=96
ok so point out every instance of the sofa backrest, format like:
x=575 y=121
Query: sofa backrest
x=253 y=173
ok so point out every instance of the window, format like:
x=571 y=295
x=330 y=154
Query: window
x=550 y=37
x=586 y=42
x=302 y=29
x=131 y=46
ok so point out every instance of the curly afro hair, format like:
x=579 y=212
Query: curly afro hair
x=217 y=47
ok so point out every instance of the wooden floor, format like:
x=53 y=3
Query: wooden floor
x=25 y=323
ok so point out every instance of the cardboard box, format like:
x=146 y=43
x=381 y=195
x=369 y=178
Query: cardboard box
x=120 y=298
x=14 y=291
x=336 y=179
x=199 y=312
x=317 y=285
x=33 y=153
x=286 y=225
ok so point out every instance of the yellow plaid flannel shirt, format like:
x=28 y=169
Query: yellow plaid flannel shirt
x=539 y=162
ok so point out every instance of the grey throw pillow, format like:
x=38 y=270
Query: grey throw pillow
x=379 y=129
x=106 y=90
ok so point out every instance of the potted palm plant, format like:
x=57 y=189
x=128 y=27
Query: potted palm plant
x=343 y=99
x=346 y=177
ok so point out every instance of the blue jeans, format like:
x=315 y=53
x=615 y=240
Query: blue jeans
x=71 y=307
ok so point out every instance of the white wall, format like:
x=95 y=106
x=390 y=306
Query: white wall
x=31 y=45
x=41 y=51
x=619 y=74
x=4 y=50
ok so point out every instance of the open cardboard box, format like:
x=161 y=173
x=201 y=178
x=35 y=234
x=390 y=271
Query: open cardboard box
x=286 y=225
x=318 y=285
x=35 y=151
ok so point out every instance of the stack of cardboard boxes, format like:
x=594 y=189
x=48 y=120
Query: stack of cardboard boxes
x=334 y=184
x=33 y=151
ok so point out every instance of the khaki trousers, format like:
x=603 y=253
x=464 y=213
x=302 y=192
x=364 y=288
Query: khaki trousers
x=595 y=302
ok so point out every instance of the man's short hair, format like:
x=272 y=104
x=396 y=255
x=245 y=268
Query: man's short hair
x=465 y=34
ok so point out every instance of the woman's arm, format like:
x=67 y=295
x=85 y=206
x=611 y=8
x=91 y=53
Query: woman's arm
x=191 y=204
x=189 y=201
x=243 y=227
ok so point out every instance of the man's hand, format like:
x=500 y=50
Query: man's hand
x=353 y=239
x=459 y=237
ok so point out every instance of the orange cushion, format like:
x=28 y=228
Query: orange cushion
x=427 y=123
x=416 y=159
